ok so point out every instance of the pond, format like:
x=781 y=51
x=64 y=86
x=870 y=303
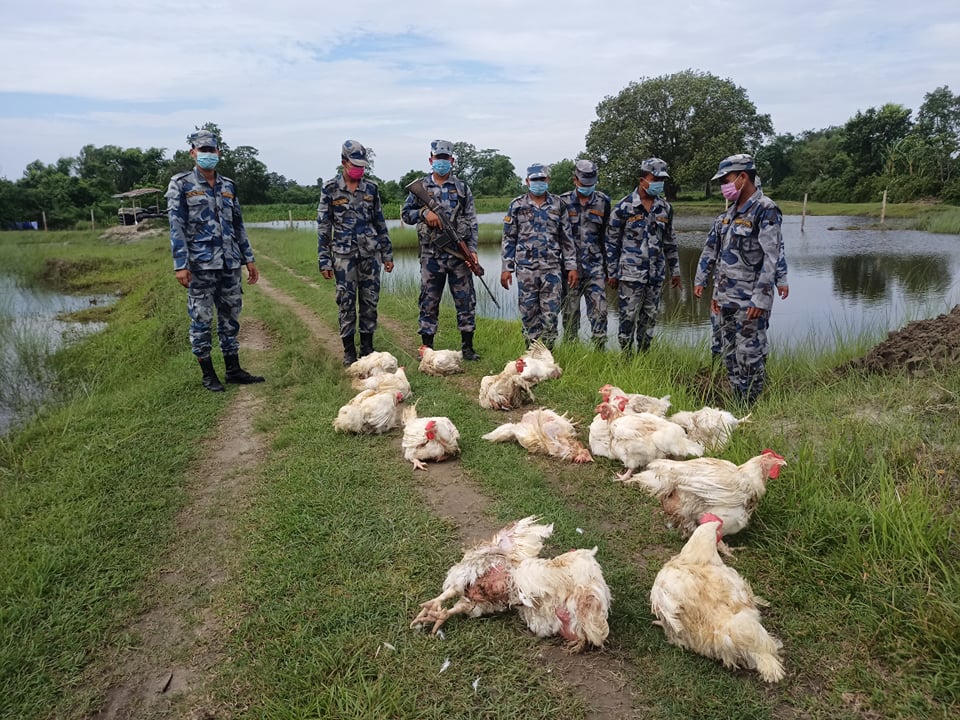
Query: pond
x=846 y=277
x=31 y=329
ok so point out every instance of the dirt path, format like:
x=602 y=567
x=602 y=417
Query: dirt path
x=601 y=679
x=170 y=655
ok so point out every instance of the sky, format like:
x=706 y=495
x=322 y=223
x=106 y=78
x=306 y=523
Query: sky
x=295 y=78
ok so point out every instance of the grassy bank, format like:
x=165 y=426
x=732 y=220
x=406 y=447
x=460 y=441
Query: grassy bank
x=855 y=545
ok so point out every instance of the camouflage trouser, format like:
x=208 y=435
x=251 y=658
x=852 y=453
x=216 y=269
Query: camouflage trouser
x=538 y=292
x=716 y=346
x=744 y=348
x=639 y=305
x=209 y=288
x=591 y=288
x=358 y=282
x=435 y=272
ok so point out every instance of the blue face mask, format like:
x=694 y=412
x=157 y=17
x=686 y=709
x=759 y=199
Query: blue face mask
x=538 y=187
x=207 y=161
x=442 y=167
x=586 y=189
x=655 y=189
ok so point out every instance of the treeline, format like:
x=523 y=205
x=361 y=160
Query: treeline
x=691 y=119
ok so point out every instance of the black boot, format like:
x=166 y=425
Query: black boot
x=349 y=351
x=236 y=374
x=467 y=346
x=210 y=380
x=427 y=340
x=366 y=344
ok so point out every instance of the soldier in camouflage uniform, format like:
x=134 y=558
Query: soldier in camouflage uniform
x=209 y=244
x=437 y=266
x=538 y=245
x=641 y=247
x=742 y=251
x=352 y=240
x=589 y=212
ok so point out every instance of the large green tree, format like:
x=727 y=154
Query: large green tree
x=487 y=172
x=691 y=119
x=871 y=135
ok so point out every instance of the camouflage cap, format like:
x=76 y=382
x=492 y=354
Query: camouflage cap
x=441 y=147
x=538 y=171
x=202 y=138
x=654 y=166
x=734 y=163
x=586 y=172
x=355 y=153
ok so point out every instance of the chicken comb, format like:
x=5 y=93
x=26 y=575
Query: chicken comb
x=768 y=451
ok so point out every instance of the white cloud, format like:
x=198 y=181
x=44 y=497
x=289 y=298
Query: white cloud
x=296 y=78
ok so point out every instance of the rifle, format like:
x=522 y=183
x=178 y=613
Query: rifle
x=448 y=239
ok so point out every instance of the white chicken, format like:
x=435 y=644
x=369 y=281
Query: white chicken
x=370 y=364
x=636 y=440
x=705 y=606
x=636 y=403
x=429 y=438
x=599 y=437
x=565 y=595
x=537 y=364
x=505 y=390
x=370 y=412
x=384 y=382
x=545 y=432
x=710 y=426
x=689 y=488
x=440 y=362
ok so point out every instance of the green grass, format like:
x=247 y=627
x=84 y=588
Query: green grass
x=855 y=545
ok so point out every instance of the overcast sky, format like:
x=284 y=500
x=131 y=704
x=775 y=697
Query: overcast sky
x=296 y=78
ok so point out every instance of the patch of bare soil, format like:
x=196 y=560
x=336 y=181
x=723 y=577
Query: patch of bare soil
x=916 y=348
x=134 y=233
x=600 y=678
x=170 y=655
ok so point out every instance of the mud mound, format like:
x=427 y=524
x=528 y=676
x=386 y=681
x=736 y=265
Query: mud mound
x=917 y=347
x=133 y=233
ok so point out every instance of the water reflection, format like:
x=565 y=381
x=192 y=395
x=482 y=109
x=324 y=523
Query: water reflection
x=32 y=329
x=844 y=282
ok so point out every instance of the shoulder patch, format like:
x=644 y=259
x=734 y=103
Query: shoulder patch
x=507 y=219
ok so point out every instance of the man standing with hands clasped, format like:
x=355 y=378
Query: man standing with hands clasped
x=742 y=253
x=352 y=239
x=438 y=266
x=538 y=245
x=209 y=244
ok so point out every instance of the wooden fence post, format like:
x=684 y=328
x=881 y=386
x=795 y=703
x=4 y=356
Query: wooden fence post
x=93 y=222
x=883 y=208
x=803 y=214
x=44 y=213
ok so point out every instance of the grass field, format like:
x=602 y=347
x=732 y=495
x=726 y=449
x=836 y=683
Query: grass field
x=855 y=546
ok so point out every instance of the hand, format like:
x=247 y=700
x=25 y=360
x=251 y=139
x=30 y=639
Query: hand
x=754 y=312
x=327 y=274
x=698 y=291
x=252 y=274
x=676 y=282
x=573 y=277
x=433 y=220
x=505 y=280
x=183 y=277
x=612 y=282
x=714 y=307
x=783 y=291
x=388 y=266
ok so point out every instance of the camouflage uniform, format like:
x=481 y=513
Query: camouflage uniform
x=208 y=238
x=588 y=217
x=743 y=251
x=352 y=241
x=437 y=266
x=640 y=246
x=537 y=245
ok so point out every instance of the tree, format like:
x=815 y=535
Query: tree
x=561 y=176
x=487 y=172
x=938 y=124
x=870 y=135
x=691 y=119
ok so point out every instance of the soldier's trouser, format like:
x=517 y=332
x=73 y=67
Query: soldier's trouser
x=358 y=283
x=538 y=294
x=435 y=272
x=591 y=288
x=639 y=305
x=220 y=288
x=744 y=348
